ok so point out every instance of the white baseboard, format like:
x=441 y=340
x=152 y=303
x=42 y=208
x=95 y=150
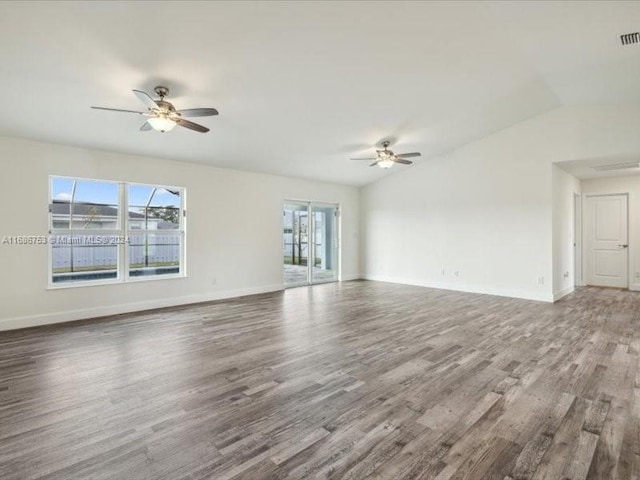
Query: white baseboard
x=563 y=293
x=458 y=287
x=347 y=278
x=635 y=287
x=108 y=310
x=103 y=311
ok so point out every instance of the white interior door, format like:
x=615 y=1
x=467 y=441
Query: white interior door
x=607 y=241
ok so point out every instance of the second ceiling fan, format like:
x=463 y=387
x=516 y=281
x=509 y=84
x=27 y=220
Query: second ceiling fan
x=386 y=158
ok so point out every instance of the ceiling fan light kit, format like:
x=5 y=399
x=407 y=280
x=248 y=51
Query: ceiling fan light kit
x=163 y=116
x=386 y=163
x=161 y=123
x=387 y=159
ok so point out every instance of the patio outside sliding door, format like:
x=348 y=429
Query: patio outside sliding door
x=310 y=243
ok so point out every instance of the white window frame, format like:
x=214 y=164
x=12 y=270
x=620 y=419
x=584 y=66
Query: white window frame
x=122 y=267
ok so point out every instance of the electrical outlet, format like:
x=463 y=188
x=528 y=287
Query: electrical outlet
x=442 y=272
x=540 y=280
x=566 y=274
x=457 y=274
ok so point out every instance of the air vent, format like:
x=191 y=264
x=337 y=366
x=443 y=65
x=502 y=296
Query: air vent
x=617 y=166
x=630 y=38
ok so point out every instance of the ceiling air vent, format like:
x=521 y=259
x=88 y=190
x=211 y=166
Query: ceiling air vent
x=630 y=38
x=617 y=166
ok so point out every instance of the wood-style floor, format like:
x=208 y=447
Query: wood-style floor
x=339 y=381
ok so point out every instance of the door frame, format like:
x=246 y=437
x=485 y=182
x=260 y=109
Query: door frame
x=310 y=204
x=578 y=269
x=336 y=240
x=305 y=204
x=585 y=225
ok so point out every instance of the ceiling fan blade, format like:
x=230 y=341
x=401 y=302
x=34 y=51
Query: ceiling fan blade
x=146 y=99
x=191 y=126
x=146 y=126
x=198 y=112
x=408 y=155
x=118 y=110
x=374 y=163
x=403 y=162
x=367 y=159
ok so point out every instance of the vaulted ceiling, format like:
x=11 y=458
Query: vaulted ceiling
x=303 y=86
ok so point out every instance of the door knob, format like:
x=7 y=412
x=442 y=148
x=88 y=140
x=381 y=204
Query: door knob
x=623 y=246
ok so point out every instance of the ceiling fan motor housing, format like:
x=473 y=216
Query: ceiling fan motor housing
x=165 y=106
x=161 y=91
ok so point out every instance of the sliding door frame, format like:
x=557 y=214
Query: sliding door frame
x=311 y=241
x=335 y=241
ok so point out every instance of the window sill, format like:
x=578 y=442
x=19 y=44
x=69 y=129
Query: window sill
x=101 y=283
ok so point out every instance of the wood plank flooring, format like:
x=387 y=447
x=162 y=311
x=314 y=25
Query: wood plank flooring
x=339 y=381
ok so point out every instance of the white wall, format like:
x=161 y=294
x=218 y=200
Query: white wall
x=234 y=231
x=485 y=210
x=624 y=184
x=481 y=211
x=564 y=186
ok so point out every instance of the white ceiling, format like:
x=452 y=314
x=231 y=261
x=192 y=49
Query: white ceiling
x=303 y=86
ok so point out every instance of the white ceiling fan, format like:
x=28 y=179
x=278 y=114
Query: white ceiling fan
x=162 y=115
x=386 y=158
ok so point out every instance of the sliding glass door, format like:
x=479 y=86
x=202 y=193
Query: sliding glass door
x=325 y=243
x=296 y=243
x=310 y=243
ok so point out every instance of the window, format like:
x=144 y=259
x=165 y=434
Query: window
x=154 y=230
x=105 y=231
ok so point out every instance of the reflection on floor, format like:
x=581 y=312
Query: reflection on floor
x=297 y=274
